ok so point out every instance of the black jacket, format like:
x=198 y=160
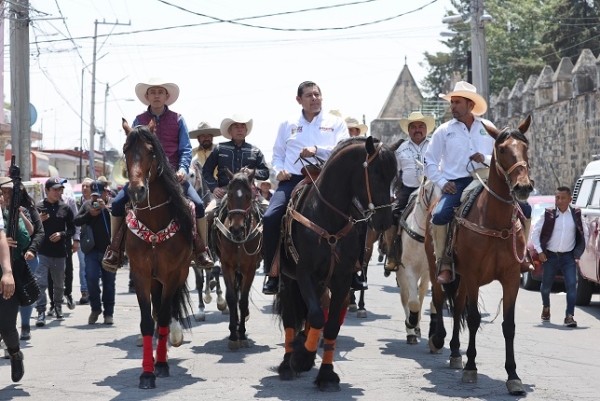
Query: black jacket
x=61 y=220
x=100 y=225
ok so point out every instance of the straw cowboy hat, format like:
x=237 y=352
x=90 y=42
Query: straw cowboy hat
x=352 y=122
x=103 y=180
x=6 y=182
x=236 y=118
x=465 y=89
x=204 y=128
x=142 y=88
x=259 y=183
x=414 y=117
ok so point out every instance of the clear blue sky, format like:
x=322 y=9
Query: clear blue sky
x=221 y=68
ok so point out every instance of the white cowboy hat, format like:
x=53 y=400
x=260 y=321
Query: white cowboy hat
x=204 y=128
x=416 y=116
x=142 y=88
x=352 y=122
x=236 y=118
x=465 y=89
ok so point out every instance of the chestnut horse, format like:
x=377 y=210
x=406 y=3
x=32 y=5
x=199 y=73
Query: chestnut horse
x=489 y=244
x=159 y=244
x=322 y=249
x=239 y=242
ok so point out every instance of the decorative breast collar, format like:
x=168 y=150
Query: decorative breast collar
x=147 y=235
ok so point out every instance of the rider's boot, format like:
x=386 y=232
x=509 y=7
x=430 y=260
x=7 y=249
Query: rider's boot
x=112 y=258
x=527 y=264
x=200 y=255
x=443 y=262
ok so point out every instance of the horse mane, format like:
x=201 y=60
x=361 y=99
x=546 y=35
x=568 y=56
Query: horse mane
x=165 y=176
x=387 y=156
x=511 y=133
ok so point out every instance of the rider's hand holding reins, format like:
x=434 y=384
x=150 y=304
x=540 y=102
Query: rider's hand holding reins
x=308 y=152
x=477 y=157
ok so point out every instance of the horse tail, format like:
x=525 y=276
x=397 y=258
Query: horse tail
x=450 y=291
x=182 y=306
x=290 y=306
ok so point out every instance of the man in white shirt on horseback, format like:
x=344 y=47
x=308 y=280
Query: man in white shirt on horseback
x=457 y=147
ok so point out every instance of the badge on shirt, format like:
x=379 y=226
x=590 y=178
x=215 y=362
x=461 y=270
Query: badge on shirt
x=483 y=132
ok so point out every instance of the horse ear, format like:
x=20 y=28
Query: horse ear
x=525 y=125
x=394 y=147
x=125 y=126
x=152 y=125
x=494 y=132
x=370 y=146
x=229 y=173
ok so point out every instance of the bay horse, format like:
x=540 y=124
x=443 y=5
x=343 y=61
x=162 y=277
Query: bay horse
x=206 y=280
x=489 y=245
x=159 y=244
x=239 y=243
x=323 y=246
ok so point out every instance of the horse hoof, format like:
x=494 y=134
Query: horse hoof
x=361 y=313
x=456 y=363
x=352 y=308
x=469 y=376
x=380 y=258
x=139 y=342
x=207 y=298
x=432 y=348
x=147 y=381
x=411 y=339
x=328 y=387
x=175 y=334
x=386 y=273
x=515 y=387
x=418 y=332
x=285 y=370
x=200 y=316
x=161 y=369
x=222 y=306
x=234 y=345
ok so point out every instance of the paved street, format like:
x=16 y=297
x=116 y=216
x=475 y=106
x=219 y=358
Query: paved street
x=72 y=360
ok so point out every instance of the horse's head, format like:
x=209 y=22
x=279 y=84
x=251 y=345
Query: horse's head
x=239 y=202
x=144 y=158
x=512 y=162
x=372 y=187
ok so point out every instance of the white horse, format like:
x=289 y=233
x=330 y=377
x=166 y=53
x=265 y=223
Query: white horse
x=412 y=275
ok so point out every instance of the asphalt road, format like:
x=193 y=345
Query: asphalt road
x=72 y=360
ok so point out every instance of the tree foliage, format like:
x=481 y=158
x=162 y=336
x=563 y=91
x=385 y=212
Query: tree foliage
x=524 y=36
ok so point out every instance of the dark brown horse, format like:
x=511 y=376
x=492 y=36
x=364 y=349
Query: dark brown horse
x=239 y=242
x=325 y=249
x=159 y=244
x=488 y=245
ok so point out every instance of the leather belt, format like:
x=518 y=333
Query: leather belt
x=557 y=253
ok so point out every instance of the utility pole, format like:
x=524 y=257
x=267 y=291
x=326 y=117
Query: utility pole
x=20 y=131
x=479 y=59
x=92 y=114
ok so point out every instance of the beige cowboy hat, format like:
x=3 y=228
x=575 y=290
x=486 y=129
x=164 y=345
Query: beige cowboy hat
x=236 y=118
x=465 y=89
x=259 y=183
x=352 y=122
x=103 y=180
x=204 y=128
x=6 y=182
x=142 y=88
x=414 y=117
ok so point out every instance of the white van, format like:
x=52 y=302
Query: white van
x=586 y=195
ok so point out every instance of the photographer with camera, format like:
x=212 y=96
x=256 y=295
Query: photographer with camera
x=95 y=213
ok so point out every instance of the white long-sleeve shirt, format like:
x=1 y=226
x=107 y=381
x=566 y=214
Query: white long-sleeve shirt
x=563 y=238
x=324 y=132
x=451 y=145
x=409 y=155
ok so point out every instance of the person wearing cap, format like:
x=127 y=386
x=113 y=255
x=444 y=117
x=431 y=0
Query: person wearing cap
x=172 y=132
x=95 y=213
x=234 y=155
x=457 y=147
x=57 y=218
x=311 y=133
x=410 y=157
x=355 y=128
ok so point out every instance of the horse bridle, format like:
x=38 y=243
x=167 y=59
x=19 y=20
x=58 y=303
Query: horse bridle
x=147 y=182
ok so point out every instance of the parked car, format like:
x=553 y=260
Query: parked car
x=533 y=279
x=586 y=195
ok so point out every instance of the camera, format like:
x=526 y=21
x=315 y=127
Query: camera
x=95 y=205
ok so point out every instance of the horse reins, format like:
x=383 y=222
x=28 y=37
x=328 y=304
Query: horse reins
x=147 y=182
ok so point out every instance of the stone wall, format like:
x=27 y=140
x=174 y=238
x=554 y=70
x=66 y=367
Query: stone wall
x=565 y=131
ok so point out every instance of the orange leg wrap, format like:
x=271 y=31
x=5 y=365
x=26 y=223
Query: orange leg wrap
x=289 y=337
x=329 y=348
x=148 y=359
x=312 y=339
x=161 y=346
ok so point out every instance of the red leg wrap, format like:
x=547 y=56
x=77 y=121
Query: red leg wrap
x=147 y=359
x=161 y=346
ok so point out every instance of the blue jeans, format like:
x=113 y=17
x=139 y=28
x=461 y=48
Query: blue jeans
x=94 y=273
x=444 y=210
x=27 y=310
x=565 y=262
x=118 y=204
x=82 y=281
x=273 y=216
